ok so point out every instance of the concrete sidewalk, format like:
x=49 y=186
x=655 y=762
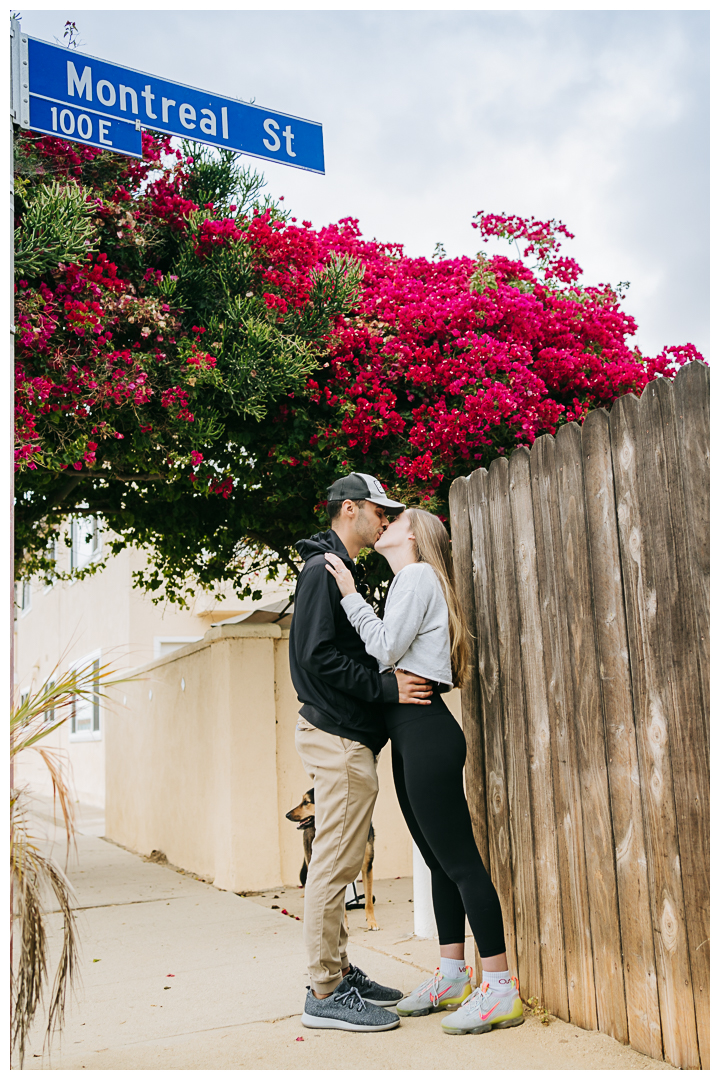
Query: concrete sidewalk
x=176 y=974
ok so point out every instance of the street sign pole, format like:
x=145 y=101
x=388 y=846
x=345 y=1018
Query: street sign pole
x=17 y=91
x=19 y=114
x=15 y=94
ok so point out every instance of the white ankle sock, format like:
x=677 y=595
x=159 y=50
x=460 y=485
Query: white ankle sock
x=499 y=980
x=452 y=969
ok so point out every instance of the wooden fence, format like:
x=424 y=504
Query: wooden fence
x=583 y=565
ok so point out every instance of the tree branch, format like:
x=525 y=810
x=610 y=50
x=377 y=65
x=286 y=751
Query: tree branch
x=140 y=476
x=283 y=553
x=87 y=474
x=64 y=492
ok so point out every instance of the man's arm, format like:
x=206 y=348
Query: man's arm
x=314 y=633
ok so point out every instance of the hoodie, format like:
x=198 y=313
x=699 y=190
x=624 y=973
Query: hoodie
x=338 y=683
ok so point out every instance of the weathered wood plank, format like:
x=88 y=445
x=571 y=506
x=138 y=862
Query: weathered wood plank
x=538 y=736
x=565 y=780
x=692 y=406
x=641 y=996
x=590 y=738
x=680 y=664
x=470 y=692
x=498 y=823
x=527 y=935
x=651 y=715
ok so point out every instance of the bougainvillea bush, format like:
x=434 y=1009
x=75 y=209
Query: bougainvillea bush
x=195 y=366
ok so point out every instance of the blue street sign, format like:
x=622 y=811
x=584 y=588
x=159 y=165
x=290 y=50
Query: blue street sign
x=85 y=125
x=88 y=92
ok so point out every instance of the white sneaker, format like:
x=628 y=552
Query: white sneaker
x=436 y=994
x=486 y=1009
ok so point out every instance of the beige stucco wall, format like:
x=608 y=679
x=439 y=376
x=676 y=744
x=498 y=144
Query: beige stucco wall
x=206 y=773
x=100 y=614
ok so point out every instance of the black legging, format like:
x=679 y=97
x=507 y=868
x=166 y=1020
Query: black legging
x=428 y=755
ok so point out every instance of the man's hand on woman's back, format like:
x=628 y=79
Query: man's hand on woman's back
x=413 y=689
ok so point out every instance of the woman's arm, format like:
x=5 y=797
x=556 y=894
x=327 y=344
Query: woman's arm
x=390 y=638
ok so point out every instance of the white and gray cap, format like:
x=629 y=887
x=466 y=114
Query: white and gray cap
x=358 y=485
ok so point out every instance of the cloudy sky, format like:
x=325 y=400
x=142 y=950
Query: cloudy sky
x=597 y=118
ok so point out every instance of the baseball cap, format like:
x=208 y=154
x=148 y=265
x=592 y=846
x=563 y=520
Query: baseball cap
x=358 y=485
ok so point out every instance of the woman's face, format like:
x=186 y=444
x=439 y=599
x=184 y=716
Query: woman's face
x=398 y=534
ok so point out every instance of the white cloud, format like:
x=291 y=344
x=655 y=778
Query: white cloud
x=596 y=118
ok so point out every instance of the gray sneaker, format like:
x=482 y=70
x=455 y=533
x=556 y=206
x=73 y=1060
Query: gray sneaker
x=436 y=994
x=345 y=1009
x=370 y=991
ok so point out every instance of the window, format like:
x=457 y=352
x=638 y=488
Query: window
x=86 y=542
x=85 y=711
x=50 y=713
x=25 y=591
x=52 y=554
x=166 y=645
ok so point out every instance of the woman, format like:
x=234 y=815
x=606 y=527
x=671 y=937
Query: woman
x=423 y=632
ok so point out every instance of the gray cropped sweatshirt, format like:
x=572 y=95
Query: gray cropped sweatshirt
x=414 y=634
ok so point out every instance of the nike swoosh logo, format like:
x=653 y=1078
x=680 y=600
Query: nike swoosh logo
x=484 y=1016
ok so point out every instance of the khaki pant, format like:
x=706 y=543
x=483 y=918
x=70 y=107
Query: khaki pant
x=344 y=775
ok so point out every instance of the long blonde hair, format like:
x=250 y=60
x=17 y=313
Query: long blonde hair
x=432 y=545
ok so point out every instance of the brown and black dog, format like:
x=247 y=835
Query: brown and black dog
x=304 y=814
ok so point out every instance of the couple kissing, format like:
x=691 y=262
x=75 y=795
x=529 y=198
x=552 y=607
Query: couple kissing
x=362 y=680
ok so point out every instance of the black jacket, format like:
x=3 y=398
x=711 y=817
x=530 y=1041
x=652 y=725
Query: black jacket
x=339 y=685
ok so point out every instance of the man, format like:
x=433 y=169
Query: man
x=339 y=734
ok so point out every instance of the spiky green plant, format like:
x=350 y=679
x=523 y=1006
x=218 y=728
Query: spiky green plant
x=34 y=875
x=58 y=227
